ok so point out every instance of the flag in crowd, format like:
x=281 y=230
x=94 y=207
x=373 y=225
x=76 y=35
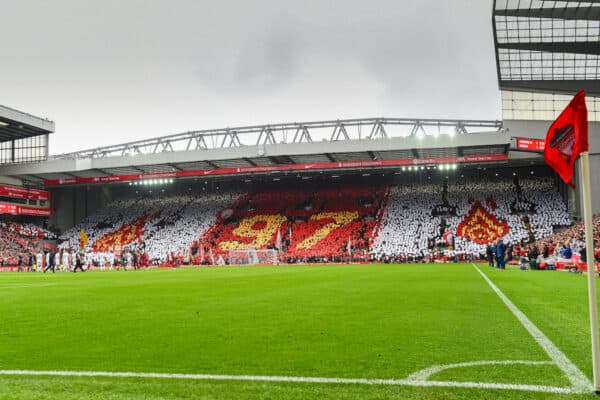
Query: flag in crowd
x=83 y=239
x=278 y=240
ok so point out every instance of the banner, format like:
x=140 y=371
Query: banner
x=15 y=209
x=282 y=168
x=278 y=240
x=33 y=211
x=17 y=192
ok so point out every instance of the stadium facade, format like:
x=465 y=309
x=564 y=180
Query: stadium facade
x=546 y=51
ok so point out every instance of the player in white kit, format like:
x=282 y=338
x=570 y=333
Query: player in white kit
x=66 y=264
x=57 y=260
x=39 y=263
x=102 y=261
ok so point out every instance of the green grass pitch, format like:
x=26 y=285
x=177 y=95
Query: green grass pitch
x=340 y=321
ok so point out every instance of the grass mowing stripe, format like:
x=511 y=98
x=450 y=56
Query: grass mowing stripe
x=581 y=384
x=298 y=379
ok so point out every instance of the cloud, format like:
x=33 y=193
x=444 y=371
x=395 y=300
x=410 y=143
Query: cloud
x=116 y=70
x=267 y=59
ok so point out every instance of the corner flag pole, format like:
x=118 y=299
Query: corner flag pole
x=591 y=276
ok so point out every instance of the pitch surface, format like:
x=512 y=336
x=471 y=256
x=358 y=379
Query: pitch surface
x=367 y=322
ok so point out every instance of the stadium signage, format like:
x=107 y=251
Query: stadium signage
x=17 y=192
x=281 y=168
x=8 y=209
x=530 y=144
x=14 y=209
x=35 y=212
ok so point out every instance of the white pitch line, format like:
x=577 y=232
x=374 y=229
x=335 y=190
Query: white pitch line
x=580 y=382
x=425 y=373
x=24 y=285
x=296 y=379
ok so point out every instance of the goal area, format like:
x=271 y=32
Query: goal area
x=253 y=257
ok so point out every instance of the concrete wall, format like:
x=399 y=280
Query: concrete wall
x=71 y=205
x=595 y=184
x=63 y=204
x=9 y=180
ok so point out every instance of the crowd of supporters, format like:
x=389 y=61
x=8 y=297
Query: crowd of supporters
x=19 y=241
x=161 y=227
x=472 y=213
x=573 y=234
x=304 y=226
x=570 y=240
x=404 y=223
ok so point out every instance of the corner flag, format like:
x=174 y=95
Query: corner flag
x=567 y=137
x=566 y=140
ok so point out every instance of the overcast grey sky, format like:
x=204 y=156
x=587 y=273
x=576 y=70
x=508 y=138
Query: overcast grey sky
x=113 y=71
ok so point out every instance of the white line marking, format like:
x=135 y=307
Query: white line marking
x=24 y=285
x=580 y=383
x=425 y=373
x=300 y=379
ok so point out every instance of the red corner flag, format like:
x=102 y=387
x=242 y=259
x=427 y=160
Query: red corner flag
x=567 y=137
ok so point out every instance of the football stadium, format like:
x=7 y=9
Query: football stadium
x=366 y=258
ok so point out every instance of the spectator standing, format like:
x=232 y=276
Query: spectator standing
x=489 y=252
x=500 y=251
x=79 y=261
x=50 y=262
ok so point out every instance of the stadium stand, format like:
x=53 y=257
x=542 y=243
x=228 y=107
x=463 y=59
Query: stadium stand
x=474 y=213
x=320 y=226
x=410 y=222
x=572 y=235
x=18 y=241
x=549 y=210
x=407 y=223
x=161 y=225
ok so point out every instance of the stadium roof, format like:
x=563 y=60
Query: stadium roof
x=548 y=46
x=16 y=125
x=371 y=140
